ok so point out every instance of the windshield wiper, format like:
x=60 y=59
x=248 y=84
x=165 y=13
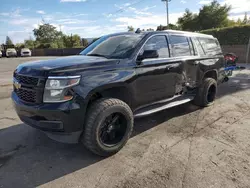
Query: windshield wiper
x=98 y=55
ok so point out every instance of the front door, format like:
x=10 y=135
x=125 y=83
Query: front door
x=156 y=77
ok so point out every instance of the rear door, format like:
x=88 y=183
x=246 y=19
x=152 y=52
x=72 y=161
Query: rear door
x=183 y=52
x=199 y=53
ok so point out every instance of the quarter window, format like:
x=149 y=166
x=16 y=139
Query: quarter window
x=158 y=43
x=197 y=47
x=180 y=45
x=211 y=46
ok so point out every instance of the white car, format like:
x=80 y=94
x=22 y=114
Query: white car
x=1 y=54
x=25 y=52
x=11 y=52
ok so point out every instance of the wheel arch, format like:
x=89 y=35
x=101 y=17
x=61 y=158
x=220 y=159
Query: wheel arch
x=121 y=92
x=211 y=74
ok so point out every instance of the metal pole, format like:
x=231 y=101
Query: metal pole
x=248 y=49
x=167 y=12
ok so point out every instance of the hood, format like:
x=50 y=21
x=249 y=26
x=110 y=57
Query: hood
x=11 y=50
x=65 y=65
x=25 y=50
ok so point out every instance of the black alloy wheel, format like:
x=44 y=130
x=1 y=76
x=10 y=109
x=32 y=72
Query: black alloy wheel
x=113 y=129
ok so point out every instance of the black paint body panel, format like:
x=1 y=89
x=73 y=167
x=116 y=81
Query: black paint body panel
x=144 y=82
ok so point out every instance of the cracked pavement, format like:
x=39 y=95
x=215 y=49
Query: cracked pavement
x=184 y=147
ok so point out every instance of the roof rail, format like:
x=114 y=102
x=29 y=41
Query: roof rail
x=188 y=32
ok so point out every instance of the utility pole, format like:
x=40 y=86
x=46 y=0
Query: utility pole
x=248 y=51
x=167 y=2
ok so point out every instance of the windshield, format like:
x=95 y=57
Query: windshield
x=119 y=46
x=11 y=49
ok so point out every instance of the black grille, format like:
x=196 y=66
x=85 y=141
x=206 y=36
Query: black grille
x=26 y=95
x=31 y=89
x=26 y=80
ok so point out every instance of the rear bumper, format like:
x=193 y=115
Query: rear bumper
x=63 y=118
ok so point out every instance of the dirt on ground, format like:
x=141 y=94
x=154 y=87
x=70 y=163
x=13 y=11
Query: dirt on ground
x=184 y=147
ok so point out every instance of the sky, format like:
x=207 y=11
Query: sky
x=94 y=18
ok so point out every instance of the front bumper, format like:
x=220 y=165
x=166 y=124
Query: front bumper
x=25 y=54
x=67 y=117
x=11 y=54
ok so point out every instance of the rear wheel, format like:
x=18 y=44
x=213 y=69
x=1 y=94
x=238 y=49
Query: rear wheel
x=206 y=93
x=108 y=126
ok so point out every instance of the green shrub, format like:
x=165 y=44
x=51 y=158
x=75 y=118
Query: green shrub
x=230 y=35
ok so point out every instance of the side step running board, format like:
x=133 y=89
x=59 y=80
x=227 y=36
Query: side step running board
x=147 y=111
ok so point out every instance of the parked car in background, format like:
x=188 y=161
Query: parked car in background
x=25 y=52
x=11 y=52
x=1 y=54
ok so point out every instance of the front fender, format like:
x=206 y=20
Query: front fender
x=96 y=82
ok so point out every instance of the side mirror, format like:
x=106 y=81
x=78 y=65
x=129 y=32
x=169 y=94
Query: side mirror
x=148 y=54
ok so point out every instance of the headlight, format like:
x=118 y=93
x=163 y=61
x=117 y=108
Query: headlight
x=57 y=88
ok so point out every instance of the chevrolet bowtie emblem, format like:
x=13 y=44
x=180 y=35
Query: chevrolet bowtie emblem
x=17 y=85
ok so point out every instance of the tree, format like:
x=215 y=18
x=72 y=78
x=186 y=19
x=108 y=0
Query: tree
x=161 y=28
x=189 y=21
x=173 y=27
x=130 y=28
x=47 y=34
x=30 y=43
x=170 y=26
x=213 y=15
x=71 y=41
x=20 y=45
x=85 y=42
x=245 y=20
x=8 y=41
x=210 y=16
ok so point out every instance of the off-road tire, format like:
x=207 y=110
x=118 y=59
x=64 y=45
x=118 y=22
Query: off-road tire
x=201 y=98
x=96 y=114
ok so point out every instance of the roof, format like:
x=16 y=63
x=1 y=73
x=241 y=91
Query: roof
x=165 y=31
x=181 y=33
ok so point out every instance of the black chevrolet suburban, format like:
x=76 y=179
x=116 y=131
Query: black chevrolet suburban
x=94 y=97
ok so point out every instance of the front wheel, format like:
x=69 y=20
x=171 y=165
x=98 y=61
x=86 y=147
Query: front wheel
x=206 y=93
x=108 y=126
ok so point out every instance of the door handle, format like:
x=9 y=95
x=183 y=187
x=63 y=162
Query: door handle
x=170 y=68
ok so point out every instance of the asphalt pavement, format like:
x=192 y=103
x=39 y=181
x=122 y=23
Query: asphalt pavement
x=184 y=147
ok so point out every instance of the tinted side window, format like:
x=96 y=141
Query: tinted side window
x=197 y=47
x=180 y=45
x=211 y=46
x=160 y=44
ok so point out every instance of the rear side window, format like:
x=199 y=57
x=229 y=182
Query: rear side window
x=180 y=45
x=211 y=46
x=198 y=49
x=160 y=44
